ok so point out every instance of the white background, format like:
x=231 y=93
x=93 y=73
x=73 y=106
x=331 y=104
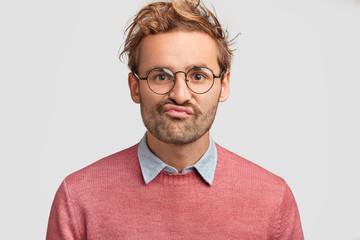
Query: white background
x=294 y=105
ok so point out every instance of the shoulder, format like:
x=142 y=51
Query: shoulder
x=117 y=165
x=249 y=182
x=255 y=188
x=244 y=171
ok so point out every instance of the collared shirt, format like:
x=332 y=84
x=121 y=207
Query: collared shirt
x=151 y=165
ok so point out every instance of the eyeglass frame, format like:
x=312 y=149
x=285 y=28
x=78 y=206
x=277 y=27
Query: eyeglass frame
x=186 y=80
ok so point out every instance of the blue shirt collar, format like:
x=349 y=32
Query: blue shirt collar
x=151 y=165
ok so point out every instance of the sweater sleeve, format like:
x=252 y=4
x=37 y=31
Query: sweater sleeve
x=289 y=224
x=62 y=220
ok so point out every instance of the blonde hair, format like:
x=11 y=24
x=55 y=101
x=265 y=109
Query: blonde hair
x=189 y=15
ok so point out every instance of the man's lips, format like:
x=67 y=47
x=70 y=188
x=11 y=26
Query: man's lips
x=177 y=111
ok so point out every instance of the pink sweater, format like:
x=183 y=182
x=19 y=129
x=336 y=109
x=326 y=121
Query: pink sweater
x=109 y=200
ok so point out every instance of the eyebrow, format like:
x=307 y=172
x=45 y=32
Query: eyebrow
x=186 y=69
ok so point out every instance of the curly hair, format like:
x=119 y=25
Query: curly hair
x=164 y=16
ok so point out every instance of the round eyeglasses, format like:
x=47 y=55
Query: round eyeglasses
x=162 y=80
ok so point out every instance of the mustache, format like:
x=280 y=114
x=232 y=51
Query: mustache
x=161 y=106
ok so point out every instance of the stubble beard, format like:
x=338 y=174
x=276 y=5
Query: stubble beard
x=175 y=130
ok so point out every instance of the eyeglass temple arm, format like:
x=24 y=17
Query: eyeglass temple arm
x=220 y=75
x=140 y=78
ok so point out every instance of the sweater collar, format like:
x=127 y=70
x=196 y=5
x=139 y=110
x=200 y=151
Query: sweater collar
x=151 y=165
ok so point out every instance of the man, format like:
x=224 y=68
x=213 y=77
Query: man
x=176 y=183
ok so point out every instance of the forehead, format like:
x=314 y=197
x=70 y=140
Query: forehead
x=178 y=50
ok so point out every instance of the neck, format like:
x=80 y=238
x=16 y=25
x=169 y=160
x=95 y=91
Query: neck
x=178 y=156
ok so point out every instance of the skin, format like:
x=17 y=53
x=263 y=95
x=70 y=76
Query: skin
x=179 y=142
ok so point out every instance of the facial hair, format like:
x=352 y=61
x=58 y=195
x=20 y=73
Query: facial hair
x=175 y=130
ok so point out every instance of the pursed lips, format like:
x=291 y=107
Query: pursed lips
x=177 y=111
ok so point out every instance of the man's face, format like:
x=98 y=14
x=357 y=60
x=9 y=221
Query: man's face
x=180 y=116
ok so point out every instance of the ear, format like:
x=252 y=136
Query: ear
x=134 y=87
x=225 y=87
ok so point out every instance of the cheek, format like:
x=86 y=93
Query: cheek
x=143 y=88
x=212 y=97
x=148 y=98
x=144 y=92
x=208 y=102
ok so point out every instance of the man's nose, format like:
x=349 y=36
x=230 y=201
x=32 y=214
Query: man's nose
x=180 y=92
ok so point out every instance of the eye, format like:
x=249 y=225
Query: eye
x=198 y=77
x=161 y=77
